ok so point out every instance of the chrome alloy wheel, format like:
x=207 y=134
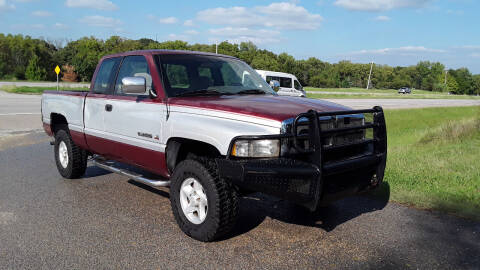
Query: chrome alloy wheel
x=63 y=154
x=193 y=200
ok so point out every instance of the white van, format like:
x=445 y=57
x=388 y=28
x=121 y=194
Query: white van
x=289 y=84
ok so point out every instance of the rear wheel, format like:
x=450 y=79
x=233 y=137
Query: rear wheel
x=71 y=160
x=205 y=206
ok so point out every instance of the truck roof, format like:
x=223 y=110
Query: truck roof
x=158 y=51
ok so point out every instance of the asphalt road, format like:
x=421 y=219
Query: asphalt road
x=405 y=103
x=45 y=84
x=105 y=221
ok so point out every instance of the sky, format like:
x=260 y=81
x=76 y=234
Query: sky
x=393 y=32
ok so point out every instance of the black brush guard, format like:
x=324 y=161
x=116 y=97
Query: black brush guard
x=310 y=177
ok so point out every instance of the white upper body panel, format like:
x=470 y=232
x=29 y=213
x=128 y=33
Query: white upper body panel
x=129 y=121
x=71 y=107
x=217 y=128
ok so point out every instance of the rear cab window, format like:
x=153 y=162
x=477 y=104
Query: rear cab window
x=104 y=80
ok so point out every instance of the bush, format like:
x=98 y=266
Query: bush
x=34 y=72
x=440 y=87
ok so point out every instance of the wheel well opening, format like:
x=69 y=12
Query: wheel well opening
x=179 y=149
x=57 y=122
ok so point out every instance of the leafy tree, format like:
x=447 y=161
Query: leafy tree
x=476 y=86
x=17 y=53
x=34 y=71
x=464 y=79
x=265 y=60
x=452 y=85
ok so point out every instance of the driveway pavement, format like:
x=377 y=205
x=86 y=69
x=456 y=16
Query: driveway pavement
x=106 y=221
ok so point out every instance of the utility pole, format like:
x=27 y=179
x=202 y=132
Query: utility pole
x=446 y=73
x=216 y=45
x=370 y=75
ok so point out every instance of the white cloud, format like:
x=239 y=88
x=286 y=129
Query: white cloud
x=60 y=26
x=100 y=21
x=240 y=34
x=38 y=26
x=191 y=32
x=400 y=50
x=455 y=12
x=168 y=20
x=94 y=4
x=5 y=6
x=177 y=37
x=382 y=18
x=379 y=5
x=469 y=47
x=281 y=15
x=476 y=55
x=188 y=23
x=41 y=13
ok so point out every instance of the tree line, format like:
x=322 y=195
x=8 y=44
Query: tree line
x=24 y=57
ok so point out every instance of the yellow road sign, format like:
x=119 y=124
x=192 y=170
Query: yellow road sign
x=57 y=70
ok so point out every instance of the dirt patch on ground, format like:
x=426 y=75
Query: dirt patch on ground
x=21 y=139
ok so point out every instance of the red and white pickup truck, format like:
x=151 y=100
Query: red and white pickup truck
x=209 y=127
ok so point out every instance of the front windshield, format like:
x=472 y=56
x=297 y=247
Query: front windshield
x=185 y=74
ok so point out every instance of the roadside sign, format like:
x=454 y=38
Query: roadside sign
x=57 y=70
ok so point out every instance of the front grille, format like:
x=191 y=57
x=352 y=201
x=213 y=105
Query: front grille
x=342 y=137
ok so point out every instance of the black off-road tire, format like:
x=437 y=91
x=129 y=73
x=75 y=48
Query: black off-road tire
x=77 y=157
x=222 y=198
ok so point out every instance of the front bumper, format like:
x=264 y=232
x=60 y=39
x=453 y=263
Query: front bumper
x=314 y=179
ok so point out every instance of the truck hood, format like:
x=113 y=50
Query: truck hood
x=277 y=108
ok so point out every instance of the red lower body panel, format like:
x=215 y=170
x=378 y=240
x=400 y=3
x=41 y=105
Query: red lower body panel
x=79 y=139
x=147 y=159
x=48 y=129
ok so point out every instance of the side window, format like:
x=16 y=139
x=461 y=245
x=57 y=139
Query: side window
x=133 y=66
x=270 y=78
x=105 y=76
x=285 y=82
x=297 y=85
x=177 y=76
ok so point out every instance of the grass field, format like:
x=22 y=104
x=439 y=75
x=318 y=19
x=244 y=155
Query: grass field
x=376 y=93
x=36 y=90
x=434 y=159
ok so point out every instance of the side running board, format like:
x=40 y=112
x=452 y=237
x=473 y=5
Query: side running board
x=111 y=166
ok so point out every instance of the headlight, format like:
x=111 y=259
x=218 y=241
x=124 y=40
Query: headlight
x=256 y=148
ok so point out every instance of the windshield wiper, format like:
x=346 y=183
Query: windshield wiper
x=251 y=92
x=202 y=92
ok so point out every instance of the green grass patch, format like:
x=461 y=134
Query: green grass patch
x=434 y=159
x=37 y=90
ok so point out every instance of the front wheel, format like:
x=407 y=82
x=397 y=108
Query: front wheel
x=71 y=160
x=205 y=206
